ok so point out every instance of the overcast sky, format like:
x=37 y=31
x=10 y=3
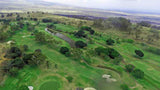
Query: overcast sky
x=134 y=5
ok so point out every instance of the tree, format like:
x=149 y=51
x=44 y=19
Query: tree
x=138 y=31
x=110 y=41
x=38 y=50
x=64 y=50
x=99 y=50
x=137 y=73
x=51 y=26
x=98 y=23
x=92 y=32
x=2 y=16
x=69 y=78
x=144 y=23
x=80 y=44
x=14 y=52
x=76 y=53
x=40 y=36
x=113 y=53
x=120 y=23
x=37 y=58
x=129 y=67
x=80 y=34
x=27 y=58
x=18 y=63
x=139 y=53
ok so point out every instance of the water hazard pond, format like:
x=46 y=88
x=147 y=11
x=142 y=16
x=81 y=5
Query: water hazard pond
x=62 y=36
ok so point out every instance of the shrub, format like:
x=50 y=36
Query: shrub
x=67 y=54
x=14 y=52
x=40 y=36
x=129 y=68
x=110 y=41
x=80 y=34
x=137 y=73
x=18 y=63
x=46 y=20
x=27 y=57
x=80 y=44
x=69 y=78
x=99 y=50
x=139 y=53
x=64 y=50
x=113 y=53
x=124 y=87
x=92 y=32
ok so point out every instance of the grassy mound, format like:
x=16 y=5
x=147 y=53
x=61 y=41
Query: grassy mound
x=50 y=85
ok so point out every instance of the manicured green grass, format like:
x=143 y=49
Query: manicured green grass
x=50 y=85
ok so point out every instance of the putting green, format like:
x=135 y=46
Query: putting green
x=50 y=85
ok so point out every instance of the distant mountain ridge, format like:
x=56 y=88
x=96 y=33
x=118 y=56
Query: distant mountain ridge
x=10 y=3
x=7 y=6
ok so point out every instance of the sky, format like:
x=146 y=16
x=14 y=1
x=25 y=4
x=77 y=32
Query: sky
x=131 y=5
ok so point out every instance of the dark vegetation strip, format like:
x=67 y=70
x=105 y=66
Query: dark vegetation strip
x=105 y=67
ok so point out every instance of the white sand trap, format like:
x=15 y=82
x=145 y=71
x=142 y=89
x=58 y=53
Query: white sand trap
x=30 y=87
x=9 y=42
x=89 y=88
x=108 y=78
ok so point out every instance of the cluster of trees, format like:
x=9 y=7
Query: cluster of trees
x=120 y=23
x=135 y=30
x=137 y=73
x=81 y=32
x=34 y=19
x=109 y=53
x=44 y=38
x=46 y=20
x=80 y=44
x=19 y=59
x=144 y=23
x=89 y=29
x=5 y=32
